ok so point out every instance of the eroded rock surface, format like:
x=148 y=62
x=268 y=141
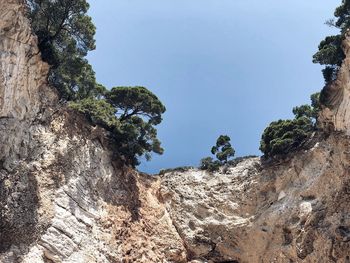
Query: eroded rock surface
x=337 y=95
x=65 y=197
x=294 y=211
x=20 y=64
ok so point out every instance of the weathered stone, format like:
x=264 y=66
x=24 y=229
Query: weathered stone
x=64 y=197
x=239 y=216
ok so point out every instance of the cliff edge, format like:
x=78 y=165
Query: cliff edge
x=65 y=197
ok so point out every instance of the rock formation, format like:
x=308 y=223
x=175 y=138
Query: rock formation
x=337 y=116
x=294 y=211
x=64 y=196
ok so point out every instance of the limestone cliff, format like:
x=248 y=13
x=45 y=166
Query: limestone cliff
x=295 y=211
x=337 y=95
x=64 y=196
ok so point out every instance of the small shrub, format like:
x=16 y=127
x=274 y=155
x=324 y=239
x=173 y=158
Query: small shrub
x=284 y=136
x=99 y=112
x=209 y=164
x=223 y=149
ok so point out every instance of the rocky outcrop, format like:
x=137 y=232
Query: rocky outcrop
x=294 y=211
x=336 y=115
x=20 y=64
x=65 y=196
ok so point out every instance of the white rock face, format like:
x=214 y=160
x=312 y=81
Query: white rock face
x=295 y=211
x=20 y=64
x=65 y=197
x=337 y=116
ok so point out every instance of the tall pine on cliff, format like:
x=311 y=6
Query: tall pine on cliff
x=130 y=113
x=283 y=136
x=330 y=52
x=65 y=35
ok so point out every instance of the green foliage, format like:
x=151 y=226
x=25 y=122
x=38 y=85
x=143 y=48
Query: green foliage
x=315 y=104
x=284 y=136
x=138 y=111
x=74 y=79
x=223 y=149
x=303 y=111
x=99 y=112
x=309 y=111
x=209 y=164
x=343 y=14
x=136 y=101
x=331 y=55
x=130 y=114
x=65 y=35
x=135 y=138
x=330 y=52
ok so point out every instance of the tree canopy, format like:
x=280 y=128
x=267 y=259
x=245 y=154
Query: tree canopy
x=65 y=35
x=284 y=136
x=309 y=111
x=130 y=114
x=330 y=52
x=136 y=101
x=138 y=111
x=222 y=150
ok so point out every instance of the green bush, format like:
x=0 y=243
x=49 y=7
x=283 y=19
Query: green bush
x=237 y=160
x=222 y=150
x=309 y=111
x=209 y=164
x=65 y=35
x=180 y=169
x=330 y=52
x=284 y=136
x=130 y=114
x=99 y=112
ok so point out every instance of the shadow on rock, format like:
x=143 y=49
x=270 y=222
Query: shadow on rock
x=18 y=209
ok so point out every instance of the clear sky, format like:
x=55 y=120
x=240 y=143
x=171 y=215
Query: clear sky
x=219 y=66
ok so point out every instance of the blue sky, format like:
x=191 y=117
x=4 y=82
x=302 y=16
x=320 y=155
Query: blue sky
x=220 y=66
